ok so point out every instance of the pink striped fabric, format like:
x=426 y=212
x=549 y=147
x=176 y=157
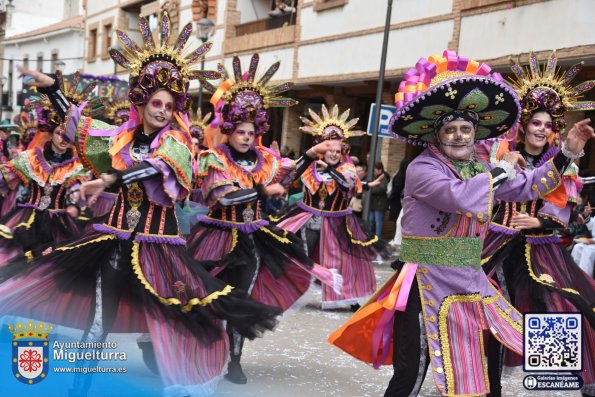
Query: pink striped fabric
x=201 y=367
x=359 y=280
x=465 y=335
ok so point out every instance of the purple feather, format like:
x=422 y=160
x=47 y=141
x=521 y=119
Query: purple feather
x=237 y=69
x=269 y=73
x=165 y=30
x=145 y=31
x=183 y=38
x=198 y=53
x=253 y=66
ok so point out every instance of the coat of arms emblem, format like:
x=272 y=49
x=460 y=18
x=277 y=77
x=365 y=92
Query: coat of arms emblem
x=30 y=351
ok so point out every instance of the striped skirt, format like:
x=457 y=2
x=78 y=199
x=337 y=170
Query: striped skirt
x=344 y=246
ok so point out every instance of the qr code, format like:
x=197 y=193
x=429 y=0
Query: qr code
x=553 y=342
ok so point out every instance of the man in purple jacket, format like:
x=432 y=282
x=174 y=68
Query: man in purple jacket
x=440 y=321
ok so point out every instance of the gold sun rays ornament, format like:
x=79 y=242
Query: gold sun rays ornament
x=76 y=92
x=244 y=97
x=546 y=87
x=118 y=111
x=157 y=64
x=197 y=120
x=330 y=125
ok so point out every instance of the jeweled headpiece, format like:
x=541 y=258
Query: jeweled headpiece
x=159 y=65
x=198 y=123
x=76 y=92
x=118 y=111
x=244 y=98
x=27 y=126
x=447 y=87
x=330 y=125
x=546 y=88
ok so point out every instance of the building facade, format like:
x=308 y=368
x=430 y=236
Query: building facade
x=331 y=48
x=41 y=35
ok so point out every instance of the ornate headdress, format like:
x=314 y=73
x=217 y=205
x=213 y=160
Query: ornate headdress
x=76 y=92
x=198 y=123
x=246 y=98
x=27 y=126
x=330 y=126
x=548 y=89
x=159 y=65
x=443 y=86
x=118 y=111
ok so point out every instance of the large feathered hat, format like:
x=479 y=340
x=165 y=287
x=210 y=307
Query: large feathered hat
x=330 y=125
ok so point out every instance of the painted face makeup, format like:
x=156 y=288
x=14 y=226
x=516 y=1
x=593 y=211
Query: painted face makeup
x=537 y=132
x=456 y=140
x=157 y=104
x=333 y=155
x=243 y=137
x=158 y=112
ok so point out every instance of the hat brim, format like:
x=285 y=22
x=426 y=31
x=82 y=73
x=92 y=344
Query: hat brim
x=494 y=101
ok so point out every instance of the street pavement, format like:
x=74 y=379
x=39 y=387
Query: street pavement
x=293 y=361
x=297 y=361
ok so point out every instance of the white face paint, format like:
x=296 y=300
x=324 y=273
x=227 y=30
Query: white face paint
x=333 y=155
x=456 y=140
x=158 y=112
x=537 y=132
x=243 y=137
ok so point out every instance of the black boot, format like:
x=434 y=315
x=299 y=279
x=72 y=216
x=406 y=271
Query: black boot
x=149 y=355
x=234 y=371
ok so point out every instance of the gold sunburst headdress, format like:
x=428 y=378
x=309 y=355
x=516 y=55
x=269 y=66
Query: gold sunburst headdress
x=159 y=65
x=27 y=126
x=198 y=123
x=330 y=125
x=244 y=97
x=118 y=111
x=76 y=92
x=546 y=88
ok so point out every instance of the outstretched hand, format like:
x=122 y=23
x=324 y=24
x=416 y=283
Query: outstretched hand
x=320 y=148
x=514 y=158
x=92 y=189
x=39 y=79
x=579 y=135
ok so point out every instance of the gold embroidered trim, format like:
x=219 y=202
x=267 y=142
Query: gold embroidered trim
x=359 y=242
x=283 y=239
x=444 y=338
x=105 y=237
x=537 y=279
x=172 y=301
x=27 y=224
x=234 y=240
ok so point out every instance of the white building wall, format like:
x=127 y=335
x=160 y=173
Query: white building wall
x=95 y=7
x=29 y=15
x=362 y=53
x=359 y=15
x=547 y=25
x=253 y=10
x=102 y=66
x=70 y=51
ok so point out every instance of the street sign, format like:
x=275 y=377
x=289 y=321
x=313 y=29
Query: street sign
x=386 y=112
